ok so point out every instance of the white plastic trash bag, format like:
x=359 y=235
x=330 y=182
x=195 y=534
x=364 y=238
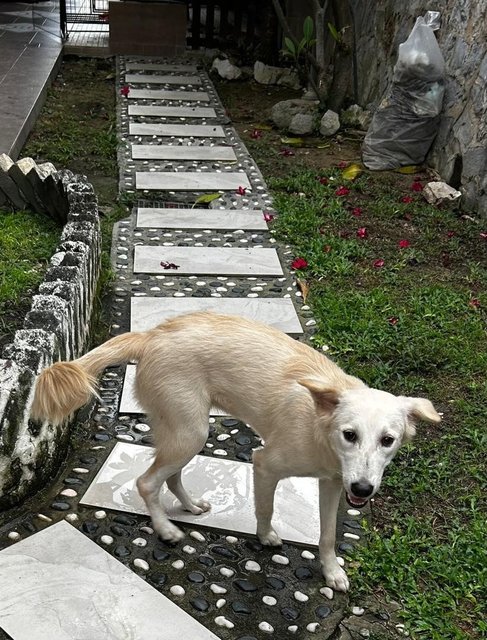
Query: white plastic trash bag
x=406 y=122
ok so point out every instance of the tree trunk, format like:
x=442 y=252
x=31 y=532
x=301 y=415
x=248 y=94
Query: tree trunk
x=343 y=60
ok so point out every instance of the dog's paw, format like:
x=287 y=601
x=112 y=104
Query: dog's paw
x=169 y=532
x=336 y=578
x=270 y=539
x=199 y=506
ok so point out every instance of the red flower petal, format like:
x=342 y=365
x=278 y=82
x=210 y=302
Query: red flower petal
x=256 y=134
x=450 y=234
x=299 y=263
x=268 y=216
x=379 y=263
x=323 y=180
x=404 y=244
x=393 y=320
x=362 y=232
x=169 y=265
x=342 y=191
x=125 y=90
x=416 y=186
x=407 y=199
x=357 y=212
x=241 y=191
x=483 y=235
x=475 y=303
x=343 y=164
x=286 y=152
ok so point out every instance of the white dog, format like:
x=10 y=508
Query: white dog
x=315 y=419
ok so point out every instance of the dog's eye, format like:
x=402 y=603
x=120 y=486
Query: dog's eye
x=350 y=436
x=387 y=441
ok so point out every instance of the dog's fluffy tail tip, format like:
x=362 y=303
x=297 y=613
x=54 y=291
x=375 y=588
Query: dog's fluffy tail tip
x=60 y=390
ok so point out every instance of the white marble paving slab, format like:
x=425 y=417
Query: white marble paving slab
x=226 y=484
x=151 y=78
x=146 y=313
x=59 y=585
x=171 y=112
x=182 y=152
x=183 y=130
x=191 y=180
x=158 y=66
x=162 y=94
x=208 y=260
x=128 y=401
x=160 y=218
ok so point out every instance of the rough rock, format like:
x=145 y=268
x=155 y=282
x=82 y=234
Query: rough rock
x=441 y=193
x=265 y=74
x=226 y=69
x=356 y=117
x=330 y=123
x=283 y=112
x=302 y=124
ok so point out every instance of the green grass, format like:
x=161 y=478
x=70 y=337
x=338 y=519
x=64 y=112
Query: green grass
x=414 y=326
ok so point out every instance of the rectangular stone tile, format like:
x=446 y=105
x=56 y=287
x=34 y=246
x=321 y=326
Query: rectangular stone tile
x=159 y=66
x=162 y=94
x=191 y=181
x=182 y=152
x=184 y=130
x=128 y=401
x=226 y=484
x=171 y=112
x=146 y=313
x=208 y=260
x=150 y=78
x=201 y=218
x=60 y=585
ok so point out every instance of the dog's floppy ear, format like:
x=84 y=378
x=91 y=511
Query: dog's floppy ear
x=326 y=398
x=419 y=409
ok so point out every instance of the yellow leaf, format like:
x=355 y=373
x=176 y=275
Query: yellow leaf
x=352 y=172
x=409 y=169
x=293 y=142
x=304 y=288
x=262 y=127
x=207 y=197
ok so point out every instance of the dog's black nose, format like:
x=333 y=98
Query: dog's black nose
x=362 y=489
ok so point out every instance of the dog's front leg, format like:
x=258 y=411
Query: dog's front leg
x=265 y=483
x=330 y=492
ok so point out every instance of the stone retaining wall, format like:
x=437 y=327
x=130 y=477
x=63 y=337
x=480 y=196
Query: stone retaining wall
x=55 y=328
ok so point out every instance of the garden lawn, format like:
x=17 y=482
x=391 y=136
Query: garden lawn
x=397 y=288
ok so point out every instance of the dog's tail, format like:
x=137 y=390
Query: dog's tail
x=67 y=386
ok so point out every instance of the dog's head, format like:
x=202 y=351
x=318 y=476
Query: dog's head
x=366 y=428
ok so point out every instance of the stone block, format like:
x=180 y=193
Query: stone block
x=330 y=123
x=283 y=112
x=15 y=172
x=9 y=188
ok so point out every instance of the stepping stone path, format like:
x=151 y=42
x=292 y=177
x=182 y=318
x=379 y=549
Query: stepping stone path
x=100 y=567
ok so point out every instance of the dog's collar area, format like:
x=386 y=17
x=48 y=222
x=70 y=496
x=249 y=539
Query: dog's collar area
x=355 y=502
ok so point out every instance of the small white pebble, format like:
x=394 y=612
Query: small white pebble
x=81 y=470
x=220 y=452
x=220 y=603
x=188 y=549
x=307 y=555
x=177 y=590
x=221 y=621
x=311 y=323
x=251 y=565
x=293 y=628
x=139 y=542
x=223 y=436
x=148 y=530
x=228 y=573
x=280 y=559
x=351 y=536
x=353 y=512
x=100 y=515
x=106 y=539
x=231 y=539
x=327 y=592
x=141 y=564
x=41 y=516
x=313 y=627
x=217 y=590
x=340 y=561
x=266 y=627
x=365 y=633
x=14 y=535
x=69 y=493
x=300 y=596
x=71 y=517
x=142 y=427
x=358 y=611
x=305 y=307
x=124 y=437
x=197 y=536
x=269 y=600
x=177 y=564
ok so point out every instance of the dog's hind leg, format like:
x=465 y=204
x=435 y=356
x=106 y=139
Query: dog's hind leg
x=195 y=505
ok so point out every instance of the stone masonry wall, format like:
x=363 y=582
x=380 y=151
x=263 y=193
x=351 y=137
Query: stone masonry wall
x=55 y=328
x=460 y=150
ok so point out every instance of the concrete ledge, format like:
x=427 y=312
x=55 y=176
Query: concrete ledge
x=55 y=328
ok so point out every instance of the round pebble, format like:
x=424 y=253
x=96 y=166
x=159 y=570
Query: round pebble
x=269 y=600
x=99 y=515
x=177 y=590
x=300 y=596
x=353 y=512
x=106 y=539
x=327 y=592
x=188 y=549
x=228 y=573
x=266 y=627
x=220 y=603
x=71 y=517
x=293 y=628
x=251 y=565
x=322 y=611
x=14 y=535
x=148 y=530
x=231 y=539
x=313 y=627
x=351 y=536
x=69 y=493
x=141 y=564
x=197 y=536
x=340 y=561
x=139 y=542
x=142 y=427
x=358 y=611
x=280 y=559
x=177 y=564
x=217 y=589
x=220 y=452
x=307 y=555
x=81 y=470
x=221 y=621
x=223 y=436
